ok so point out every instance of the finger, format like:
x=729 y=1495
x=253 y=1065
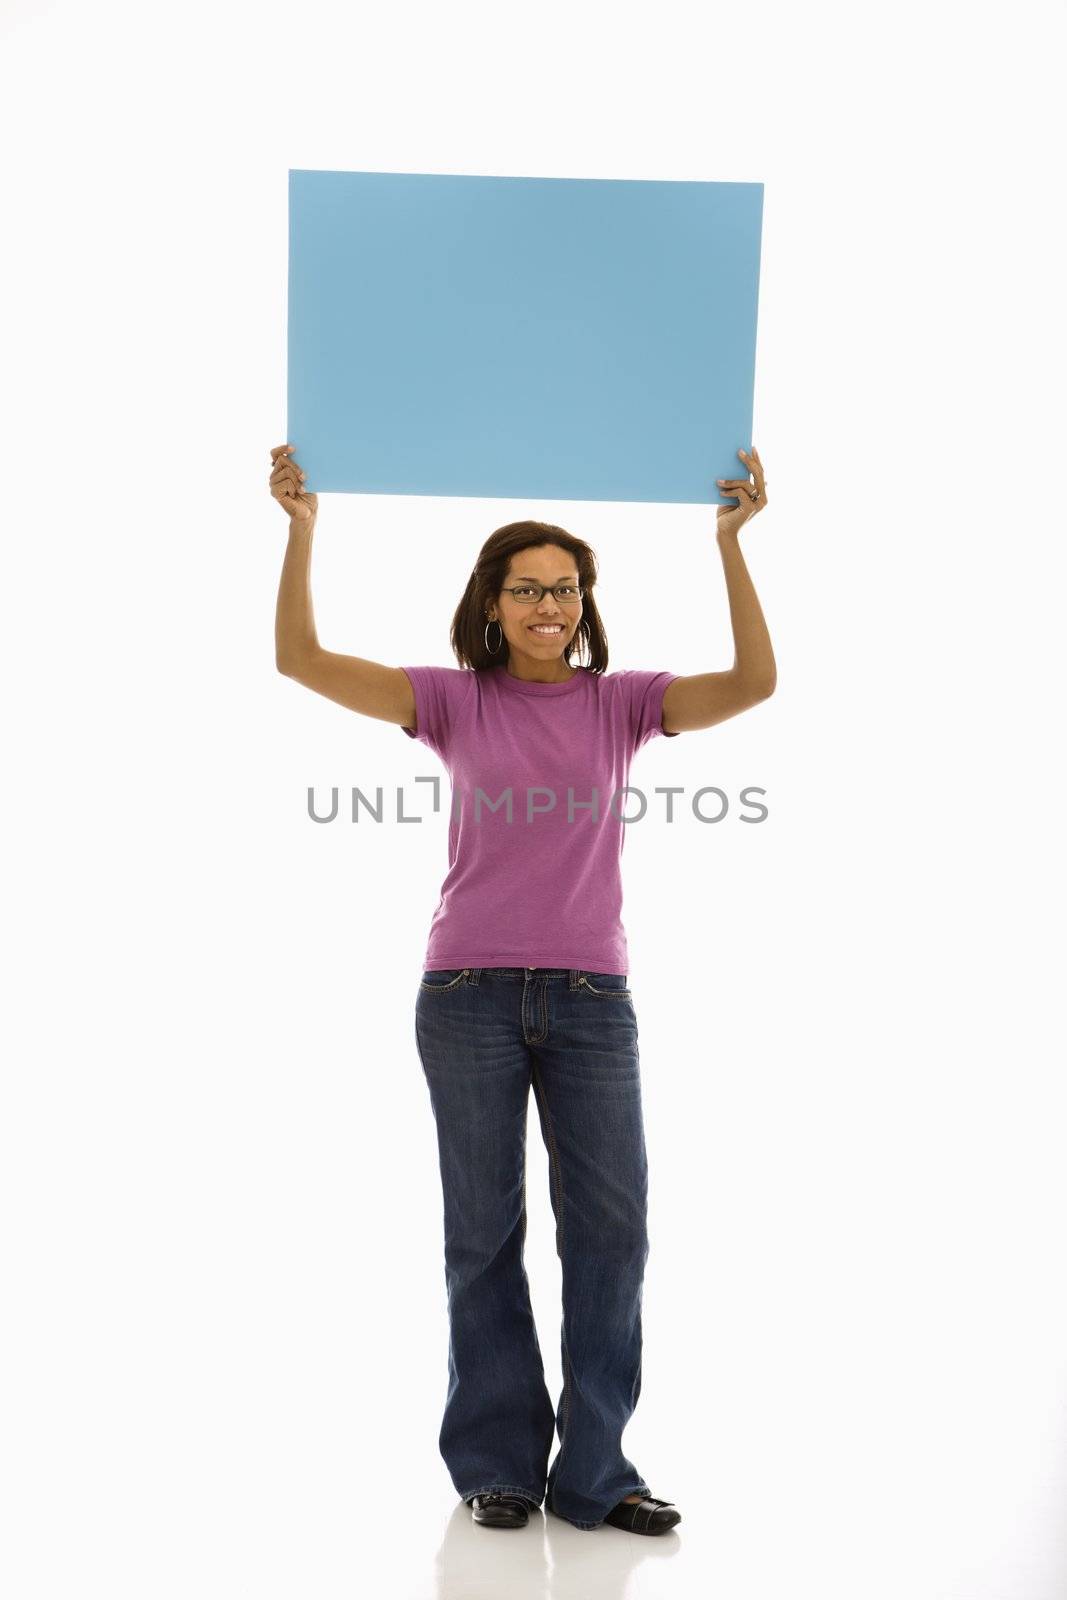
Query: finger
x=286 y=470
x=280 y=450
x=285 y=486
x=754 y=468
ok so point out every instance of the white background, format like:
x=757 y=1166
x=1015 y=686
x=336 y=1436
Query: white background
x=224 y=1336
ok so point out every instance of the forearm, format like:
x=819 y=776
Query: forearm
x=294 y=622
x=753 y=657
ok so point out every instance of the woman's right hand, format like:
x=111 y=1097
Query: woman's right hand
x=286 y=485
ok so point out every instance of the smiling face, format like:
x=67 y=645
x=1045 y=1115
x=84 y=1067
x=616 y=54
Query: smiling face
x=545 y=564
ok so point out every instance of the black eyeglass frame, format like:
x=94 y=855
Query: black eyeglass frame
x=570 y=601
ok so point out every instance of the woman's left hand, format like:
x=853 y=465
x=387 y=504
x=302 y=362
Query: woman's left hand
x=752 y=497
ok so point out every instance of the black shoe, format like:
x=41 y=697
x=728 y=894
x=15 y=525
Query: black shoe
x=644 y=1516
x=496 y=1510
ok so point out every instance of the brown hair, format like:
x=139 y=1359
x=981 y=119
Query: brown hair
x=487 y=580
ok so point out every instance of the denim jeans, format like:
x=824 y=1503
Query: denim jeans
x=485 y=1035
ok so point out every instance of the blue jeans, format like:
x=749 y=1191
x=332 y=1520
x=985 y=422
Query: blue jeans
x=484 y=1036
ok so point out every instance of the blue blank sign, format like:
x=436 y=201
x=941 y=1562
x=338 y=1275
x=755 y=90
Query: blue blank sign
x=522 y=338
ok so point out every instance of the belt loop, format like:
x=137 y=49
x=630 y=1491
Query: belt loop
x=474 y=974
x=573 y=974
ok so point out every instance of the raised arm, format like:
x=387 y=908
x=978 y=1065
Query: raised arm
x=365 y=686
x=706 y=698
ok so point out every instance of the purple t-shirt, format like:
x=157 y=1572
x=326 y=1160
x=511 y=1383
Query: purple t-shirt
x=535 y=882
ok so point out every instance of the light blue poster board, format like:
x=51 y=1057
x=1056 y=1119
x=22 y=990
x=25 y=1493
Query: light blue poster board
x=524 y=338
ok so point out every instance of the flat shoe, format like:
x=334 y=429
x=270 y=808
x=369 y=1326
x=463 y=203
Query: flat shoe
x=497 y=1510
x=644 y=1516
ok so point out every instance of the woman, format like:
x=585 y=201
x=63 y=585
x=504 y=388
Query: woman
x=525 y=985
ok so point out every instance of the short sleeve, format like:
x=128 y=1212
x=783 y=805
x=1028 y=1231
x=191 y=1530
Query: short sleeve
x=646 y=691
x=436 y=691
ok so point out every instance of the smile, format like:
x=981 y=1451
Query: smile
x=546 y=627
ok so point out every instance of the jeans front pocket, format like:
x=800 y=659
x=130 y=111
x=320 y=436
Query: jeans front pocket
x=441 y=982
x=606 y=985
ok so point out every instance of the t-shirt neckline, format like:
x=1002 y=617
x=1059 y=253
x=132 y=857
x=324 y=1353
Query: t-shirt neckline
x=520 y=686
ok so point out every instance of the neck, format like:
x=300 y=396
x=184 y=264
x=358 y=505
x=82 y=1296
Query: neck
x=550 y=672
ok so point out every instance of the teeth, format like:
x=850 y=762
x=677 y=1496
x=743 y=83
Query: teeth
x=555 y=627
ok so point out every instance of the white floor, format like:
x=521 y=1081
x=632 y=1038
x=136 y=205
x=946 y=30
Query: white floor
x=453 y=1558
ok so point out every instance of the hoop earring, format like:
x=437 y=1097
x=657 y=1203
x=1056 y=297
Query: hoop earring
x=499 y=642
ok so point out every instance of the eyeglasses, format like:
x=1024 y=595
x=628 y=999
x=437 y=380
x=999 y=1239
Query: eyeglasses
x=531 y=594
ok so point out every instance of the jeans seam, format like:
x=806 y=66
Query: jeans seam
x=557 y=1167
x=445 y=988
x=503 y=1488
x=605 y=994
